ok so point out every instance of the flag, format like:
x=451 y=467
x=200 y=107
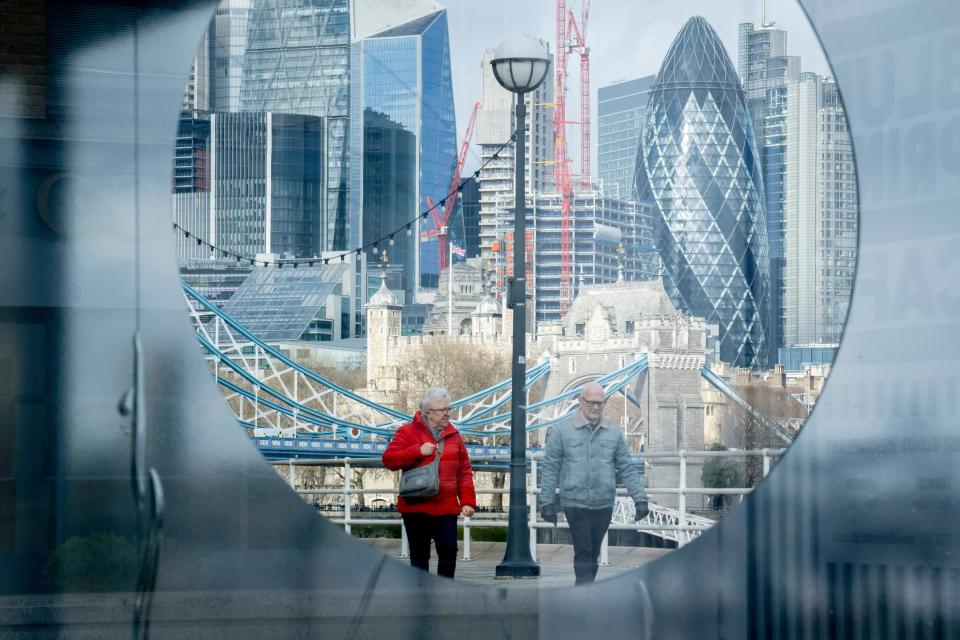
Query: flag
x=458 y=251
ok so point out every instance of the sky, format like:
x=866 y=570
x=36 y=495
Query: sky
x=627 y=39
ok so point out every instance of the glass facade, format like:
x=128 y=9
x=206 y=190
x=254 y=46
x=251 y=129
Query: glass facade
x=698 y=166
x=470 y=205
x=286 y=305
x=795 y=358
x=216 y=280
x=810 y=189
x=191 y=184
x=389 y=191
x=404 y=142
x=267 y=183
x=849 y=536
x=227 y=45
x=620 y=109
x=298 y=61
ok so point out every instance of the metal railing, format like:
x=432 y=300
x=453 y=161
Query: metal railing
x=671 y=524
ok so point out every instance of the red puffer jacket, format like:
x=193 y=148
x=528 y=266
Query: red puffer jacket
x=456 y=474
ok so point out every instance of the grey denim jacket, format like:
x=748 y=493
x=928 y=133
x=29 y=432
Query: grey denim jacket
x=585 y=463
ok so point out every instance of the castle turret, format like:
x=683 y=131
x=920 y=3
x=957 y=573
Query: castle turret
x=383 y=324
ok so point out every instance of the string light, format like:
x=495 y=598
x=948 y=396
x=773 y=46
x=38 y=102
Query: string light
x=389 y=239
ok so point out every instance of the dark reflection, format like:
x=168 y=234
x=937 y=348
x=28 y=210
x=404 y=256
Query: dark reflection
x=849 y=535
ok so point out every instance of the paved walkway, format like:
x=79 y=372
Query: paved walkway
x=556 y=562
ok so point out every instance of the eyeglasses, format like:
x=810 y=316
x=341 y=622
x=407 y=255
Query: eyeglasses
x=593 y=403
x=441 y=410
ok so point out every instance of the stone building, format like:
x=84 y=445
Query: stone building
x=388 y=350
x=607 y=327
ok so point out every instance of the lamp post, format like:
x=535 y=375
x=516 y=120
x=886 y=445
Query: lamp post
x=520 y=65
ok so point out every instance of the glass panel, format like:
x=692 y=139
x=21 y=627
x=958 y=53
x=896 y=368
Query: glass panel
x=100 y=434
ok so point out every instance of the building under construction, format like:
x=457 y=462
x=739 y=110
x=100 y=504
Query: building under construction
x=605 y=235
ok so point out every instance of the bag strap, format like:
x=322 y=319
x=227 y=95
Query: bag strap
x=436 y=459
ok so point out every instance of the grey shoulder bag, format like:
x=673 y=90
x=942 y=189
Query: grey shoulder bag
x=422 y=482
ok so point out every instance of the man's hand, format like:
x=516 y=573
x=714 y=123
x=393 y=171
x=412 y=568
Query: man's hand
x=643 y=508
x=549 y=513
x=467 y=511
x=427 y=448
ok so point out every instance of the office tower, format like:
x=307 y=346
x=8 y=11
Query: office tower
x=191 y=185
x=227 y=38
x=698 y=167
x=196 y=95
x=620 y=108
x=605 y=235
x=810 y=189
x=267 y=178
x=765 y=70
x=820 y=213
x=756 y=47
x=496 y=122
x=216 y=72
x=403 y=133
x=470 y=206
x=297 y=61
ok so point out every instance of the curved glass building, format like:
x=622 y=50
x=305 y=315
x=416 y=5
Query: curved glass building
x=697 y=164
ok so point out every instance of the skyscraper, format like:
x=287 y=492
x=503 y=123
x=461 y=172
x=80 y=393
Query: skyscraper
x=810 y=189
x=298 y=61
x=820 y=214
x=470 y=206
x=620 y=108
x=404 y=137
x=191 y=184
x=227 y=37
x=698 y=166
x=496 y=122
x=266 y=187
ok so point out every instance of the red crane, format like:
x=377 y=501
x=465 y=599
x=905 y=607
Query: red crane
x=570 y=39
x=442 y=219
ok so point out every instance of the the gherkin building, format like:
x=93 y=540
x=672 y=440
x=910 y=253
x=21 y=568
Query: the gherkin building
x=697 y=163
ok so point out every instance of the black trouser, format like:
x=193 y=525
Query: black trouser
x=587 y=528
x=421 y=528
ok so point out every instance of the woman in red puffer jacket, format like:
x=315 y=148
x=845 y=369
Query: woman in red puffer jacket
x=433 y=518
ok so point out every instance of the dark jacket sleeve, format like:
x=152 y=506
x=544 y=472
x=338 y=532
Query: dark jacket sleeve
x=627 y=470
x=465 y=491
x=403 y=452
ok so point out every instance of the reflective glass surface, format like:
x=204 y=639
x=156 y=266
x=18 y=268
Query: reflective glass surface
x=279 y=304
x=850 y=536
x=620 y=109
x=405 y=152
x=438 y=140
x=697 y=163
x=298 y=61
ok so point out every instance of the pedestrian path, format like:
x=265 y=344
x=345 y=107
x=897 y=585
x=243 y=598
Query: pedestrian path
x=556 y=562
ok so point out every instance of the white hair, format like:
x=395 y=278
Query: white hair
x=591 y=386
x=431 y=395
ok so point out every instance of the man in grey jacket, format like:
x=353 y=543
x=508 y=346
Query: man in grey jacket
x=584 y=455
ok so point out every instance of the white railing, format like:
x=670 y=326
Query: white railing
x=671 y=524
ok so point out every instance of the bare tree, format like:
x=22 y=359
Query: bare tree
x=746 y=430
x=462 y=368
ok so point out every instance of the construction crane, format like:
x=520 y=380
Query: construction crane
x=570 y=39
x=441 y=220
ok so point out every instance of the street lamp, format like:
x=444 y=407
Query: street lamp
x=520 y=65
